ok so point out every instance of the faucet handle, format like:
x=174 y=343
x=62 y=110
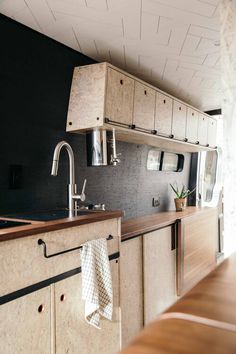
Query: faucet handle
x=82 y=195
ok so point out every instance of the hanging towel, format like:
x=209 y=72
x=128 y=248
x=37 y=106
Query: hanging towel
x=96 y=281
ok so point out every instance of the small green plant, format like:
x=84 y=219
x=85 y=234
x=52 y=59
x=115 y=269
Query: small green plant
x=182 y=193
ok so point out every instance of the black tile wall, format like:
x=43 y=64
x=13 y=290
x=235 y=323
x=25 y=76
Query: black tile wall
x=35 y=79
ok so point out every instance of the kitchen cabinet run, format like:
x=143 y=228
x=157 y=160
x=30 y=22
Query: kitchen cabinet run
x=103 y=96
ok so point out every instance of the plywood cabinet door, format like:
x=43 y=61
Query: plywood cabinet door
x=192 y=125
x=25 y=325
x=119 y=97
x=144 y=106
x=203 y=129
x=159 y=265
x=179 y=120
x=212 y=130
x=197 y=245
x=73 y=334
x=131 y=288
x=163 y=114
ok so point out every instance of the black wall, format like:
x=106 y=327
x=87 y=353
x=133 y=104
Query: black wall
x=35 y=79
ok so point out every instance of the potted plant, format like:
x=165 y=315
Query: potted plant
x=181 y=197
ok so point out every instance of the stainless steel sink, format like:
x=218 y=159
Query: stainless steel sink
x=48 y=215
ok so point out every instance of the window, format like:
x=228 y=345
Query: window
x=164 y=161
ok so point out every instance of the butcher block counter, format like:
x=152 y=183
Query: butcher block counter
x=203 y=321
x=37 y=227
x=142 y=225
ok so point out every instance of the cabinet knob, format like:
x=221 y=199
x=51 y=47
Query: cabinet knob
x=171 y=136
x=62 y=297
x=132 y=126
x=197 y=142
x=154 y=132
x=207 y=145
x=186 y=140
x=145 y=92
x=41 y=308
x=164 y=101
x=121 y=82
x=192 y=114
x=179 y=108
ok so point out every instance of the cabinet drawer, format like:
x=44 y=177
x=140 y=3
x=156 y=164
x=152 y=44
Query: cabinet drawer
x=192 y=125
x=22 y=261
x=119 y=97
x=144 y=106
x=163 y=114
x=179 y=120
x=202 y=129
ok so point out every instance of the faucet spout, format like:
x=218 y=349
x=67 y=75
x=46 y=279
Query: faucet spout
x=72 y=188
x=56 y=157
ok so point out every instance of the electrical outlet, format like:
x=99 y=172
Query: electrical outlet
x=155 y=201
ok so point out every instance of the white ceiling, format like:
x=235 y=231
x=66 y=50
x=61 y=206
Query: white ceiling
x=173 y=44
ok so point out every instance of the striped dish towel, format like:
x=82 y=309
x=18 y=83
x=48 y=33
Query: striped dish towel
x=96 y=281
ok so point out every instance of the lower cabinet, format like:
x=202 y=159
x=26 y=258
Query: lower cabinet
x=25 y=325
x=159 y=264
x=51 y=320
x=197 y=247
x=131 y=288
x=147 y=280
x=73 y=334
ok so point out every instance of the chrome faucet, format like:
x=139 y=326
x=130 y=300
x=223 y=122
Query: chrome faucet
x=73 y=196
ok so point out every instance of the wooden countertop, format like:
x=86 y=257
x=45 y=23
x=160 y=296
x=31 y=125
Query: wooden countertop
x=37 y=227
x=139 y=226
x=203 y=321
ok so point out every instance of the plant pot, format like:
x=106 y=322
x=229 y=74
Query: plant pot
x=180 y=204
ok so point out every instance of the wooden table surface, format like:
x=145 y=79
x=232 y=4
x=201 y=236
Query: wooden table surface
x=202 y=322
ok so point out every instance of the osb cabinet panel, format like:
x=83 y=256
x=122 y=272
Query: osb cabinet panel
x=192 y=125
x=131 y=288
x=159 y=272
x=144 y=107
x=86 y=105
x=119 y=97
x=179 y=120
x=25 y=325
x=163 y=114
x=73 y=334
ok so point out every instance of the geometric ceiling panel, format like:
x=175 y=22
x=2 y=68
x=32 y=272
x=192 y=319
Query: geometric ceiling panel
x=172 y=44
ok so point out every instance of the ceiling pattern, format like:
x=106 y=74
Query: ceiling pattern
x=172 y=44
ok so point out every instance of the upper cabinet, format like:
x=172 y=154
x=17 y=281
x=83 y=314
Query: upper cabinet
x=212 y=126
x=192 y=125
x=144 y=107
x=103 y=96
x=119 y=97
x=163 y=114
x=202 y=129
x=179 y=120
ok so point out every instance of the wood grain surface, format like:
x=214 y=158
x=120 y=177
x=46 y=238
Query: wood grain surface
x=139 y=226
x=42 y=227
